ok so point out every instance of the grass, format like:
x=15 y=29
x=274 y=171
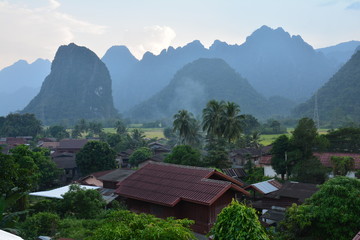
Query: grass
x=149 y=132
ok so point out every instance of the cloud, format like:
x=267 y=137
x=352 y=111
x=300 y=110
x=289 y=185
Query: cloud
x=150 y=38
x=32 y=32
x=354 y=6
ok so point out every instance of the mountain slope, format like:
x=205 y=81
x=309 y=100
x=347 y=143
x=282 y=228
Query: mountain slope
x=78 y=86
x=341 y=52
x=339 y=98
x=197 y=83
x=275 y=64
x=20 y=82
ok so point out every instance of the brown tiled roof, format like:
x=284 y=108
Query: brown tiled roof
x=265 y=160
x=117 y=175
x=325 y=158
x=235 y=172
x=50 y=144
x=167 y=184
x=72 y=143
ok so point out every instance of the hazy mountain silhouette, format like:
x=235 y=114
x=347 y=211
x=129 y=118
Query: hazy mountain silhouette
x=339 y=98
x=20 y=82
x=274 y=63
x=197 y=83
x=78 y=86
x=341 y=52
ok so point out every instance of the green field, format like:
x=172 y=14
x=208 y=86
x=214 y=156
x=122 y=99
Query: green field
x=149 y=132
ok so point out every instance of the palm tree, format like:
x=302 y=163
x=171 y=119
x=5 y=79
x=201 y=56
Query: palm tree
x=186 y=125
x=212 y=116
x=231 y=121
x=120 y=127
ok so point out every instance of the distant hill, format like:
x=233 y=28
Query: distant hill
x=341 y=52
x=339 y=98
x=274 y=63
x=197 y=83
x=134 y=82
x=20 y=82
x=78 y=86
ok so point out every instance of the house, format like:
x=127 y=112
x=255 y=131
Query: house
x=111 y=179
x=7 y=143
x=71 y=145
x=236 y=173
x=272 y=198
x=67 y=162
x=240 y=157
x=159 y=148
x=325 y=159
x=93 y=178
x=179 y=191
x=123 y=158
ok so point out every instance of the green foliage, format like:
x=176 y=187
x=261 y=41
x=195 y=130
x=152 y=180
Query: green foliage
x=184 y=155
x=255 y=175
x=331 y=213
x=57 y=131
x=124 y=225
x=95 y=156
x=40 y=224
x=238 y=222
x=344 y=140
x=16 y=124
x=187 y=127
x=81 y=203
x=217 y=156
x=78 y=228
x=279 y=160
x=223 y=120
x=342 y=165
x=250 y=124
x=8 y=220
x=120 y=127
x=310 y=170
x=304 y=137
x=140 y=155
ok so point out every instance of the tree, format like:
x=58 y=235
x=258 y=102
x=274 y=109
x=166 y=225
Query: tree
x=187 y=126
x=331 y=213
x=279 y=160
x=344 y=140
x=16 y=124
x=212 y=116
x=238 y=222
x=342 y=165
x=95 y=128
x=184 y=155
x=81 y=203
x=231 y=121
x=137 y=138
x=40 y=224
x=120 y=127
x=95 y=156
x=217 y=155
x=140 y=155
x=249 y=123
x=58 y=132
x=126 y=225
x=304 y=137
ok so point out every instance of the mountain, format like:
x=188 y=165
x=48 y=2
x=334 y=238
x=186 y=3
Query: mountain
x=197 y=83
x=277 y=64
x=78 y=86
x=341 y=52
x=274 y=63
x=339 y=99
x=20 y=82
x=144 y=78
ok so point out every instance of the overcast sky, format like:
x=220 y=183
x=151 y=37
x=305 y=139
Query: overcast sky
x=32 y=29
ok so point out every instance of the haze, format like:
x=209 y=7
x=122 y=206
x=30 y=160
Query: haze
x=35 y=29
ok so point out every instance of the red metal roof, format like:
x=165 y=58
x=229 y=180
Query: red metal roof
x=167 y=184
x=325 y=158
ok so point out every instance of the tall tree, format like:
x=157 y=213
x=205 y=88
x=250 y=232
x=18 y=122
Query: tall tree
x=231 y=121
x=184 y=155
x=212 y=116
x=120 y=127
x=280 y=161
x=187 y=126
x=342 y=165
x=304 y=137
x=16 y=124
x=95 y=156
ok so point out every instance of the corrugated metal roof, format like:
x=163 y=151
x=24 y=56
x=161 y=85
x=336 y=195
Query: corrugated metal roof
x=266 y=186
x=167 y=184
x=357 y=237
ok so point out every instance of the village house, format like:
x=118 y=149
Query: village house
x=166 y=190
x=239 y=157
x=325 y=159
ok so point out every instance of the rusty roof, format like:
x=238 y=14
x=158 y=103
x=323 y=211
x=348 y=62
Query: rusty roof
x=72 y=143
x=325 y=158
x=167 y=184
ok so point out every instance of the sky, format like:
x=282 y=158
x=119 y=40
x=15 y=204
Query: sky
x=32 y=29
